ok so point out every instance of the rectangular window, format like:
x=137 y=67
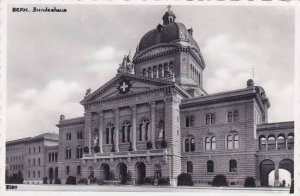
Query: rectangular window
x=67 y=170
x=210 y=119
x=189 y=121
x=233 y=116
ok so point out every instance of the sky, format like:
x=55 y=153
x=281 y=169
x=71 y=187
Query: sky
x=52 y=58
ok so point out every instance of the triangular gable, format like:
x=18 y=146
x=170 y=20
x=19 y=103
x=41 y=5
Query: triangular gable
x=124 y=84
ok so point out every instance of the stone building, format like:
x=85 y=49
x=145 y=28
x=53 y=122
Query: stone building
x=155 y=117
x=28 y=155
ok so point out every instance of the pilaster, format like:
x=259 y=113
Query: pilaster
x=117 y=128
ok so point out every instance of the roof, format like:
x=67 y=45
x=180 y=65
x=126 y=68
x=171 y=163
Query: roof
x=168 y=33
x=276 y=125
x=41 y=137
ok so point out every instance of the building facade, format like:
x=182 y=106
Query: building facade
x=29 y=156
x=155 y=117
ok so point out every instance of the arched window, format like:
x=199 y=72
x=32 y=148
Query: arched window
x=125 y=135
x=39 y=174
x=207 y=143
x=154 y=72
x=236 y=141
x=280 y=142
x=262 y=142
x=33 y=162
x=210 y=166
x=33 y=174
x=78 y=170
x=39 y=161
x=166 y=70
x=232 y=166
x=290 y=141
x=192 y=144
x=56 y=156
x=213 y=143
x=160 y=71
x=144 y=130
x=49 y=157
x=187 y=145
x=68 y=153
x=144 y=72
x=213 y=119
x=67 y=170
x=189 y=167
x=271 y=142
x=150 y=72
x=232 y=141
x=229 y=142
x=109 y=133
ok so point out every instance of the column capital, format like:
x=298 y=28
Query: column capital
x=133 y=107
x=152 y=103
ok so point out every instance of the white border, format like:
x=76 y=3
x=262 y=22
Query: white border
x=3 y=27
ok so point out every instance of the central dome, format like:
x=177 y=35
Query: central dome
x=170 y=33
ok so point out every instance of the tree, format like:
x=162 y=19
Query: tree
x=185 y=179
x=249 y=182
x=71 y=180
x=219 y=180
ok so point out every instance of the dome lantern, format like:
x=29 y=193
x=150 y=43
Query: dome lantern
x=169 y=16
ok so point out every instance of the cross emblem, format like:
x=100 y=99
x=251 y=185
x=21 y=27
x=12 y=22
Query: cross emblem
x=124 y=87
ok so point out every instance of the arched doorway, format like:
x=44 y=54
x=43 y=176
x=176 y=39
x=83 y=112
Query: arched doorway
x=50 y=175
x=265 y=167
x=288 y=165
x=91 y=172
x=141 y=172
x=105 y=171
x=122 y=172
x=284 y=178
x=56 y=173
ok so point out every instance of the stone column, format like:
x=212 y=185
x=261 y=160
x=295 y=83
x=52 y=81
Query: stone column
x=117 y=128
x=276 y=144
x=101 y=126
x=88 y=135
x=152 y=123
x=133 y=108
x=276 y=180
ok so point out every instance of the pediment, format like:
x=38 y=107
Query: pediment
x=124 y=84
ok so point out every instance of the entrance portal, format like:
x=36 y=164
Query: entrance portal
x=265 y=167
x=141 y=172
x=105 y=171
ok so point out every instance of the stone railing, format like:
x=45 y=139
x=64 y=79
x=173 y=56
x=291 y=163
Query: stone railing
x=140 y=153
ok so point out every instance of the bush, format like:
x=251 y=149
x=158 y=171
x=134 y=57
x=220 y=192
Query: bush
x=219 y=180
x=185 y=179
x=164 y=181
x=124 y=177
x=148 y=180
x=57 y=181
x=249 y=182
x=100 y=181
x=71 y=180
x=45 y=180
x=82 y=181
x=93 y=180
x=149 y=145
x=163 y=144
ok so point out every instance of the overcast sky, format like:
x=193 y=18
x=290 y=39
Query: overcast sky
x=54 y=57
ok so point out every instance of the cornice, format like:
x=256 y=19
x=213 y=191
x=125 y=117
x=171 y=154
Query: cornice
x=277 y=125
